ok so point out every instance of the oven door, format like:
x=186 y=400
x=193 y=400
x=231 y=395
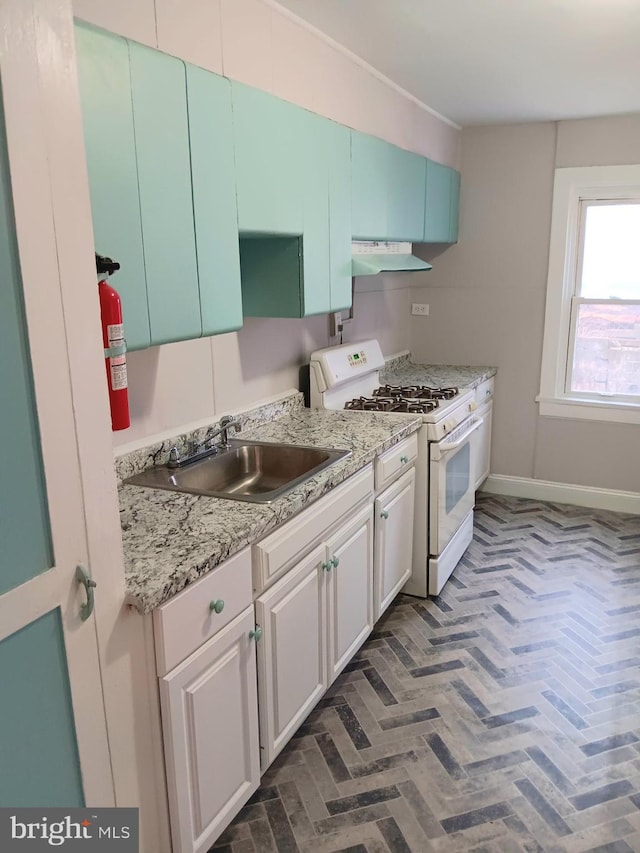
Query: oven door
x=451 y=483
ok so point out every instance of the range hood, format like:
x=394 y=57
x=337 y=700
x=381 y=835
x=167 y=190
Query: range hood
x=371 y=258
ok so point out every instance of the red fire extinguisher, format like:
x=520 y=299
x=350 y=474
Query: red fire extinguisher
x=113 y=341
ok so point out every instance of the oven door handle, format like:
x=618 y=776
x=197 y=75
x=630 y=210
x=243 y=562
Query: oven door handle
x=446 y=446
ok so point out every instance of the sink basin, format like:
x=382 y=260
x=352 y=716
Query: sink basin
x=250 y=471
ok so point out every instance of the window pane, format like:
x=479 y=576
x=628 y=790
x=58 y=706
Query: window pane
x=607 y=349
x=611 y=252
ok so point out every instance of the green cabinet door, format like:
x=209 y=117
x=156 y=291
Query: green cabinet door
x=214 y=200
x=107 y=114
x=269 y=162
x=159 y=95
x=438 y=207
x=405 y=195
x=316 y=259
x=369 y=187
x=455 y=206
x=339 y=153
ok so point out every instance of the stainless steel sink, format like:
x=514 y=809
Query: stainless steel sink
x=249 y=471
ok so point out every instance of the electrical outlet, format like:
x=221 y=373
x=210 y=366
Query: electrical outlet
x=420 y=309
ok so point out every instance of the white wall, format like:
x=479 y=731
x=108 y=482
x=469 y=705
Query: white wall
x=259 y=43
x=487 y=294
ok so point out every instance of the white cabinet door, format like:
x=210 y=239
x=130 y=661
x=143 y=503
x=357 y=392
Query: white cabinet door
x=482 y=446
x=210 y=713
x=291 y=652
x=394 y=510
x=350 y=590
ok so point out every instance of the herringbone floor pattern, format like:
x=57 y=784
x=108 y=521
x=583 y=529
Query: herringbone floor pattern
x=502 y=716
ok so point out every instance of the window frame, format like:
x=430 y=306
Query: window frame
x=572 y=186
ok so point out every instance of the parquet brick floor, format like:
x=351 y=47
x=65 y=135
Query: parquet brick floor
x=503 y=715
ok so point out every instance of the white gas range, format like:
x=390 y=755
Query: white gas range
x=347 y=377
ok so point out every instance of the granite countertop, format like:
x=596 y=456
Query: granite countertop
x=171 y=539
x=402 y=371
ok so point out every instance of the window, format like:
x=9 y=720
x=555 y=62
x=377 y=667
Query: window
x=591 y=353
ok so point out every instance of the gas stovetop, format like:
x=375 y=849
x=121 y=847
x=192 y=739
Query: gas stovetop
x=417 y=399
x=348 y=377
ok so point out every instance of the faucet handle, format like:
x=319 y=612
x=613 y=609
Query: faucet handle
x=174 y=457
x=227 y=419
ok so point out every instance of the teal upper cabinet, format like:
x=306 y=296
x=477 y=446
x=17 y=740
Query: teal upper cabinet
x=269 y=151
x=159 y=96
x=387 y=189
x=455 y=206
x=159 y=143
x=406 y=187
x=441 y=204
x=214 y=200
x=369 y=169
x=105 y=91
x=339 y=154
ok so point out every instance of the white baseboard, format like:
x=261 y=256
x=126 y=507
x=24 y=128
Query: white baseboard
x=564 y=493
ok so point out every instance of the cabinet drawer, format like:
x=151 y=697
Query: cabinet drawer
x=395 y=460
x=183 y=624
x=274 y=555
x=484 y=391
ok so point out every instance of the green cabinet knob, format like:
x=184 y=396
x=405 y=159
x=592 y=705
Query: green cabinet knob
x=404 y=459
x=384 y=514
x=335 y=562
x=216 y=606
x=326 y=567
x=256 y=633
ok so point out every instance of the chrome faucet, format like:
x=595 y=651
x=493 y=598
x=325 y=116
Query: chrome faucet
x=200 y=450
x=226 y=423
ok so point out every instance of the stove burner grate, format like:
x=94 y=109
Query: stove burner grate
x=422 y=392
x=391 y=404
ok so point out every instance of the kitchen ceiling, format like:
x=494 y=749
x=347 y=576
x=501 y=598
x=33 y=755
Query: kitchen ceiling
x=492 y=61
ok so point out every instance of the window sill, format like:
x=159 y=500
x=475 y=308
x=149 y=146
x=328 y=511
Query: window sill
x=589 y=410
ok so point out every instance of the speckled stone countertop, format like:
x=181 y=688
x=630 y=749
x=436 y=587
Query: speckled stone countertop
x=171 y=539
x=402 y=371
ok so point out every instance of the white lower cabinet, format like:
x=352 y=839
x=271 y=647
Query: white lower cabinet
x=291 y=652
x=313 y=620
x=210 y=723
x=350 y=590
x=481 y=444
x=394 y=511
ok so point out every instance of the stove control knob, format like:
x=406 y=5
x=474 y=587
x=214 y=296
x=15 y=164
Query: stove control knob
x=473 y=406
x=448 y=426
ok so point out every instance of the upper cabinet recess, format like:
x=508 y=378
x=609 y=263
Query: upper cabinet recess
x=220 y=200
x=293 y=207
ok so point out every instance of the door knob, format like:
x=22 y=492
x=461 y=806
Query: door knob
x=384 y=514
x=255 y=633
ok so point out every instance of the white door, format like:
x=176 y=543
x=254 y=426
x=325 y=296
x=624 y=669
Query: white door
x=53 y=738
x=394 y=510
x=210 y=709
x=349 y=557
x=291 y=652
